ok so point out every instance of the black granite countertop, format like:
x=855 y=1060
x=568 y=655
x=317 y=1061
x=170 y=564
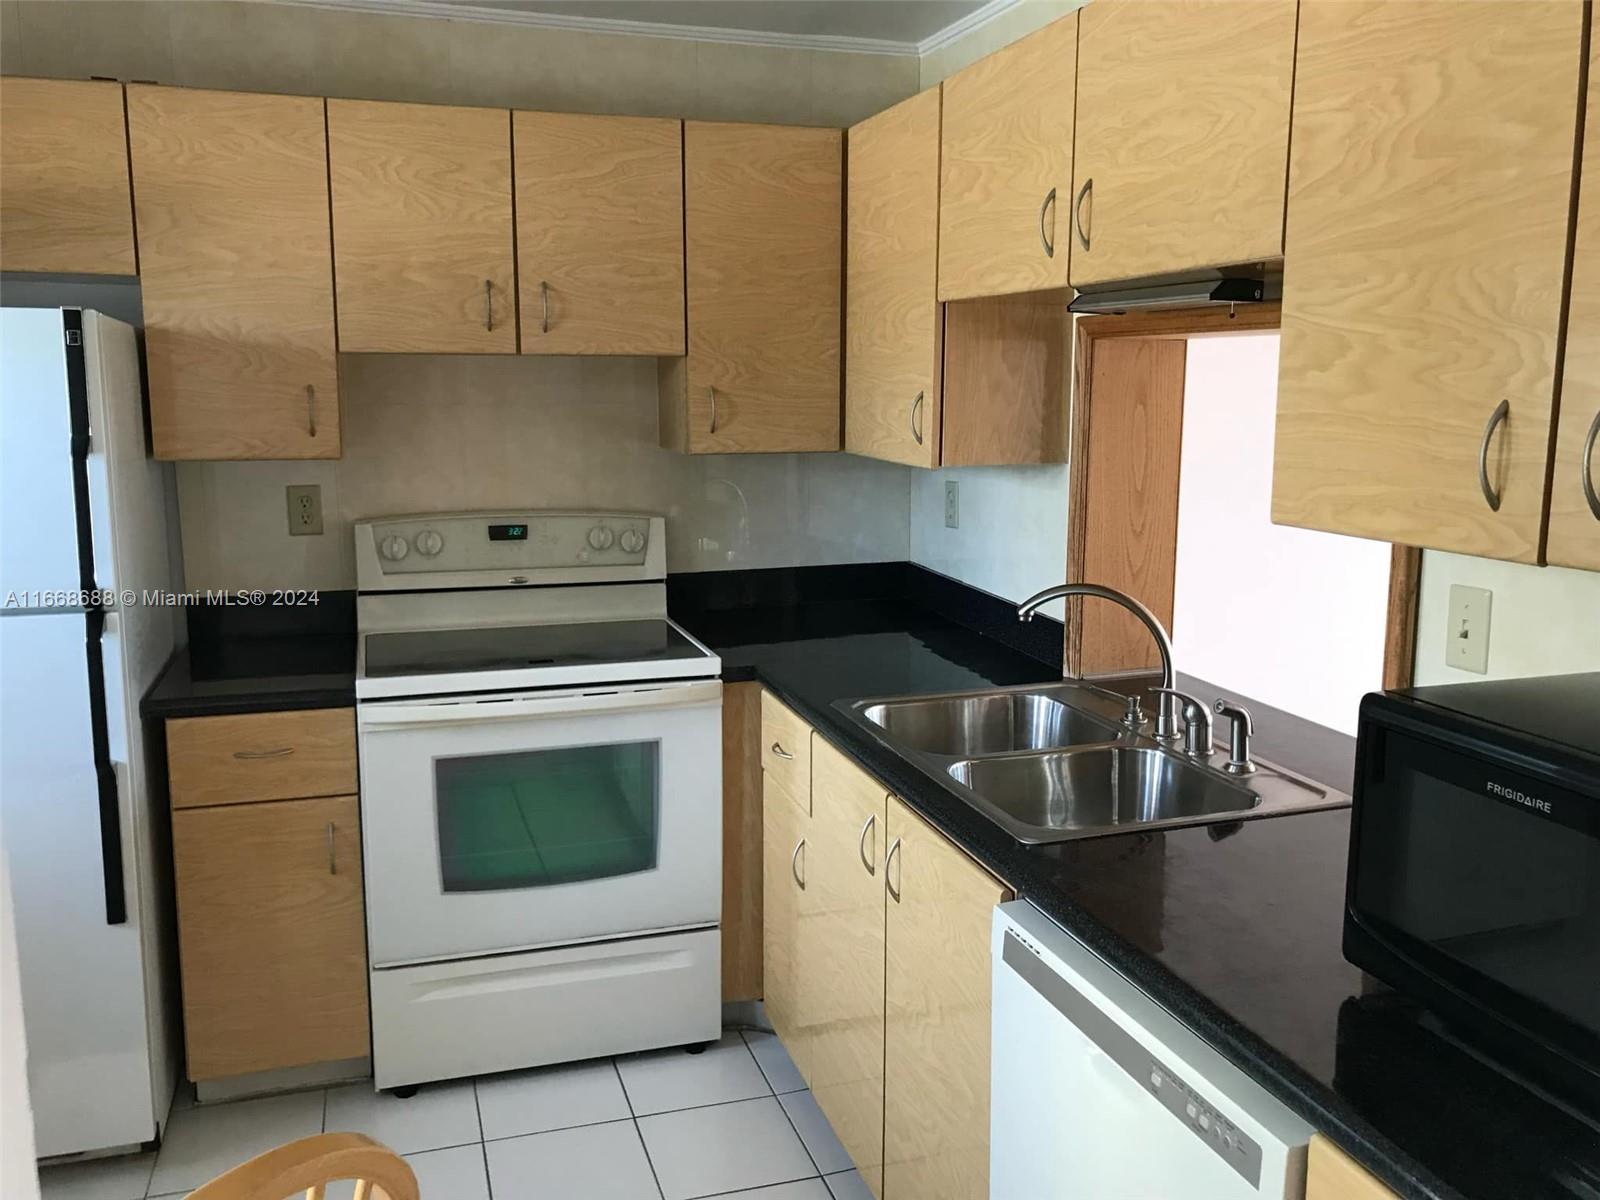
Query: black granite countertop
x=1236 y=929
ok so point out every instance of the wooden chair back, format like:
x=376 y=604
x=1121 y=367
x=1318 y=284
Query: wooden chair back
x=308 y=1166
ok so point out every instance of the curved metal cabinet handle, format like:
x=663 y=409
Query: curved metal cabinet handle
x=794 y=863
x=488 y=305
x=780 y=751
x=311 y=409
x=252 y=755
x=1045 y=239
x=861 y=844
x=544 y=296
x=1586 y=466
x=712 y=388
x=1491 y=497
x=333 y=862
x=916 y=425
x=888 y=880
x=1077 y=211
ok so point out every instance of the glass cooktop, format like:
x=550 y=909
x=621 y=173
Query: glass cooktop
x=509 y=648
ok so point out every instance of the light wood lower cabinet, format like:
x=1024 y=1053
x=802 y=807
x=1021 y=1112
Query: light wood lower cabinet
x=599 y=233
x=785 y=827
x=1419 y=337
x=271 y=935
x=763 y=240
x=236 y=273
x=1331 y=1174
x=741 y=842
x=1574 y=538
x=65 y=207
x=842 y=950
x=936 y=1050
x=422 y=228
x=1182 y=135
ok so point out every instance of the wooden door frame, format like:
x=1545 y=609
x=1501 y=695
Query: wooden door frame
x=1400 y=631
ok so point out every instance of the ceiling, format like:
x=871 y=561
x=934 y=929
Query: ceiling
x=905 y=23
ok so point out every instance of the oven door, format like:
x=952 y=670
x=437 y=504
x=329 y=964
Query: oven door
x=495 y=823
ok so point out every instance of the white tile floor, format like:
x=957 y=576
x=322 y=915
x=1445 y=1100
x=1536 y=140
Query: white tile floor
x=733 y=1122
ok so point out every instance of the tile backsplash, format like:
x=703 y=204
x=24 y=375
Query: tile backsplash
x=437 y=433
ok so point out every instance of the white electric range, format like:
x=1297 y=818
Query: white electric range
x=541 y=794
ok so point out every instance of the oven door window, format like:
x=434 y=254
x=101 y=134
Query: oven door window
x=1497 y=875
x=538 y=818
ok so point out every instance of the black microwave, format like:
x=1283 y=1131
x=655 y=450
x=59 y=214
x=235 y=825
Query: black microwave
x=1474 y=871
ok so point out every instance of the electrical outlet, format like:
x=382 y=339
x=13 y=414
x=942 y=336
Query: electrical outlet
x=1467 y=631
x=952 y=504
x=305 y=508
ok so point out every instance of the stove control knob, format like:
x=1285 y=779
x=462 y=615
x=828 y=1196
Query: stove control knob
x=601 y=538
x=394 y=547
x=632 y=541
x=429 y=542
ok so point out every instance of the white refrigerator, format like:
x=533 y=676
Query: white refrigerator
x=83 y=537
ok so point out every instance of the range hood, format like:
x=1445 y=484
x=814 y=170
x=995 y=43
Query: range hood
x=1148 y=295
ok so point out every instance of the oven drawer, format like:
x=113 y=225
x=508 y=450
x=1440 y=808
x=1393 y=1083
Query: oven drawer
x=261 y=756
x=448 y=1020
x=786 y=751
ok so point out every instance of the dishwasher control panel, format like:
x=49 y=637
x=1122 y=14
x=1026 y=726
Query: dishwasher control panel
x=1183 y=1102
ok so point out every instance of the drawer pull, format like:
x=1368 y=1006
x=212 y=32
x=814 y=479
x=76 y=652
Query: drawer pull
x=780 y=751
x=794 y=863
x=544 y=298
x=252 y=755
x=488 y=305
x=861 y=844
x=1490 y=496
x=311 y=410
x=333 y=862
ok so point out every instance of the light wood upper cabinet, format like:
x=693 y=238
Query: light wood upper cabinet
x=1425 y=254
x=1331 y=1174
x=763 y=208
x=236 y=271
x=1574 y=539
x=936 y=1053
x=842 y=950
x=422 y=228
x=271 y=935
x=893 y=324
x=1182 y=135
x=599 y=233
x=65 y=207
x=1006 y=167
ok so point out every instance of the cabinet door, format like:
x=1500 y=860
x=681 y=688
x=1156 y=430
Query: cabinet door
x=936 y=1056
x=784 y=862
x=1331 y=1174
x=892 y=318
x=65 y=207
x=1408 y=322
x=1575 y=496
x=842 y=950
x=599 y=233
x=1005 y=187
x=1182 y=135
x=763 y=244
x=271 y=941
x=236 y=272
x=422 y=228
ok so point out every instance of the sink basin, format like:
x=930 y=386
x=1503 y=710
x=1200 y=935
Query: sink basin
x=1079 y=793
x=992 y=723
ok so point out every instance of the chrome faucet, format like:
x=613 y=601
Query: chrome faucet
x=1167 y=708
x=1196 y=725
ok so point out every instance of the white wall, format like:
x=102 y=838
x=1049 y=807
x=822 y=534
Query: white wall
x=435 y=433
x=1542 y=620
x=1291 y=617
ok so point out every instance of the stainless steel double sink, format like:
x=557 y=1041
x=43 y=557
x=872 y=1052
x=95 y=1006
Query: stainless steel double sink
x=1053 y=762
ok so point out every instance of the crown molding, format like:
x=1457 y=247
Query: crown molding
x=487 y=14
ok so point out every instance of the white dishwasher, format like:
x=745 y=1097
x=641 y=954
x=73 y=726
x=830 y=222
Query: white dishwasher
x=1100 y=1094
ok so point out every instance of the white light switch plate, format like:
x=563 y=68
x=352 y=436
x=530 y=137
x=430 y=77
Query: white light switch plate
x=1467 y=630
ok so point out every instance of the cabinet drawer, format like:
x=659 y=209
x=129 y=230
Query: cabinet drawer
x=261 y=756
x=786 y=751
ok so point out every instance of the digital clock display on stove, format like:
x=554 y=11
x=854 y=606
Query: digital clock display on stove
x=508 y=533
